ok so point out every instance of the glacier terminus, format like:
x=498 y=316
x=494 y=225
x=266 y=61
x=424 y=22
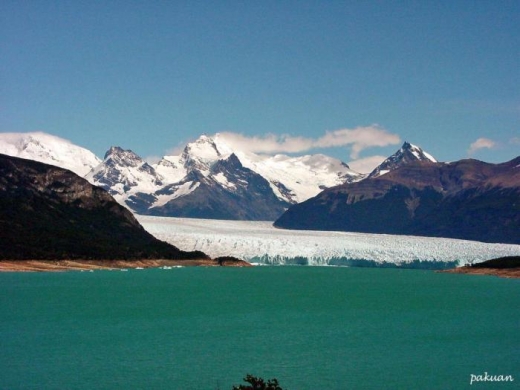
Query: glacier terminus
x=260 y=243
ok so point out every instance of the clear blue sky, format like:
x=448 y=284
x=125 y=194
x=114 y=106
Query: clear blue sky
x=151 y=75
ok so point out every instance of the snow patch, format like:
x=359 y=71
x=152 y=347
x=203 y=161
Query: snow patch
x=222 y=180
x=171 y=168
x=304 y=176
x=181 y=190
x=420 y=154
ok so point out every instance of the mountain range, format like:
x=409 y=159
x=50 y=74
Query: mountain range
x=466 y=199
x=408 y=193
x=209 y=179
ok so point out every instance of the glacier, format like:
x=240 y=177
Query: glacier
x=260 y=243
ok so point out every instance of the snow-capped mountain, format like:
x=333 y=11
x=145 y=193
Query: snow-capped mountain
x=292 y=179
x=295 y=179
x=467 y=199
x=48 y=149
x=123 y=173
x=407 y=154
x=224 y=190
x=211 y=180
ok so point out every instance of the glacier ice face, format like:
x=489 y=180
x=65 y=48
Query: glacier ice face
x=260 y=242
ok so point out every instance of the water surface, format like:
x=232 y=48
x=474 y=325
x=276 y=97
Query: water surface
x=206 y=328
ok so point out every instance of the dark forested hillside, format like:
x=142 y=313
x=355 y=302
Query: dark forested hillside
x=51 y=213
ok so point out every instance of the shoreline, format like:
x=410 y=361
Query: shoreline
x=510 y=273
x=90 y=265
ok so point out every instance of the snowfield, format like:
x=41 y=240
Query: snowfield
x=259 y=242
x=49 y=149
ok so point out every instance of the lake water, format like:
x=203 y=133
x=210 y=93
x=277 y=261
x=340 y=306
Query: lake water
x=206 y=328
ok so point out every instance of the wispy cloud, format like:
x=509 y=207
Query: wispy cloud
x=357 y=139
x=152 y=159
x=481 y=143
x=367 y=164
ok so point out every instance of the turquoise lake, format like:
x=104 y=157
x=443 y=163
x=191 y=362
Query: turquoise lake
x=206 y=328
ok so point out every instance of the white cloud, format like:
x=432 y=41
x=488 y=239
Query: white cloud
x=152 y=159
x=367 y=164
x=358 y=139
x=481 y=143
x=268 y=144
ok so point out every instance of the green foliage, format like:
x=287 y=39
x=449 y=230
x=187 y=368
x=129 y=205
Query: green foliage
x=258 y=384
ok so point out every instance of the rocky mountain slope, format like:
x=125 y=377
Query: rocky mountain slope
x=467 y=199
x=48 y=212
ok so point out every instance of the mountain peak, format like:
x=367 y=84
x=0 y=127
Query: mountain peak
x=121 y=156
x=405 y=155
x=124 y=172
x=113 y=150
x=202 y=148
x=417 y=152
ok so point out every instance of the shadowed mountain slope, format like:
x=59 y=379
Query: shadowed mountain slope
x=467 y=199
x=51 y=213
